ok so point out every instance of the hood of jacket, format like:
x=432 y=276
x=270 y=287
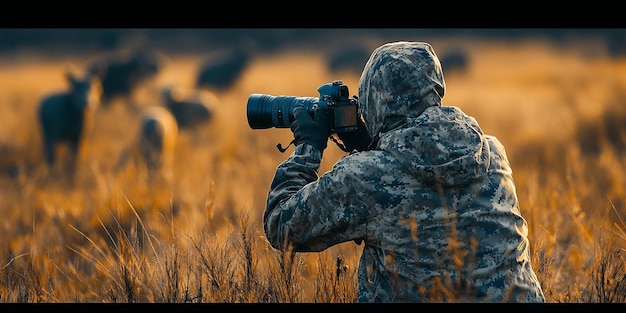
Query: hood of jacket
x=400 y=94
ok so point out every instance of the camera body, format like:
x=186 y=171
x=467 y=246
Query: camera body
x=266 y=111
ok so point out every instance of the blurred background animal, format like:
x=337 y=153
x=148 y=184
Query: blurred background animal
x=221 y=70
x=66 y=116
x=123 y=73
x=347 y=56
x=455 y=59
x=191 y=108
x=155 y=144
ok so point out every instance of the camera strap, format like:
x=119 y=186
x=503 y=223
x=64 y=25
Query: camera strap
x=339 y=144
x=332 y=138
x=280 y=147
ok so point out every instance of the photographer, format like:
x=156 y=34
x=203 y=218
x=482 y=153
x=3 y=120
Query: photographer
x=430 y=195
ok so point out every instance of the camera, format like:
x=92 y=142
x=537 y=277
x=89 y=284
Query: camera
x=266 y=111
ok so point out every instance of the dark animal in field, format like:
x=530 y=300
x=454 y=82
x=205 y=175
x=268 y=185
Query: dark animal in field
x=191 y=108
x=454 y=60
x=608 y=131
x=616 y=42
x=121 y=75
x=348 y=57
x=155 y=143
x=65 y=116
x=221 y=70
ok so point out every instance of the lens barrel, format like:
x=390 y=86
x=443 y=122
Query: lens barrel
x=266 y=111
x=259 y=111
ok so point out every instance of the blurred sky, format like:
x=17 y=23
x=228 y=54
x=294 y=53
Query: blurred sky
x=81 y=40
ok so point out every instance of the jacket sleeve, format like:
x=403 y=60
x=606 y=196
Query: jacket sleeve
x=311 y=213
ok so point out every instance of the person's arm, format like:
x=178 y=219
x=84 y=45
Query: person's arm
x=313 y=214
x=291 y=176
x=302 y=211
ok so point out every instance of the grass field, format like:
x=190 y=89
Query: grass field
x=119 y=236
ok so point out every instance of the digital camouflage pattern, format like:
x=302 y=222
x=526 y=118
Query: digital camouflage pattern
x=434 y=201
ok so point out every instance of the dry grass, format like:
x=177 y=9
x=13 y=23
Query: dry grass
x=119 y=236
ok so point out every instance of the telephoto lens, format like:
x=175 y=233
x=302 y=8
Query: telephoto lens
x=266 y=111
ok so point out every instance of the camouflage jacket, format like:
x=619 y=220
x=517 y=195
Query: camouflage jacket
x=434 y=201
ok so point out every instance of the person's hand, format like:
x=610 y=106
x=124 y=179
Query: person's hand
x=358 y=139
x=313 y=131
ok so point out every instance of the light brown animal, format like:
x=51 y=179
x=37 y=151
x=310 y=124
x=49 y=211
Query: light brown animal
x=155 y=143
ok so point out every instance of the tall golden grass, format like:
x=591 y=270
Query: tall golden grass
x=120 y=236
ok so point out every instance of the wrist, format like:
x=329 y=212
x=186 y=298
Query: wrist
x=313 y=143
x=309 y=150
